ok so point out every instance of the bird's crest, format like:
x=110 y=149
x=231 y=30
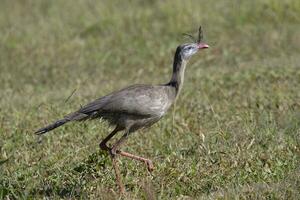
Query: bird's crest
x=200 y=36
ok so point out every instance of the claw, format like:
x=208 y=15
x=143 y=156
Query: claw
x=149 y=165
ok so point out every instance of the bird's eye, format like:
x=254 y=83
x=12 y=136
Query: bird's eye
x=189 y=48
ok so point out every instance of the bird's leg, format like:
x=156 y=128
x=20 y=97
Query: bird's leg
x=145 y=160
x=115 y=150
x=118 y=176
x=104 y=147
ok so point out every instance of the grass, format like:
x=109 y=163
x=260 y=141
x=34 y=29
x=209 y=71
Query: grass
x=236 y=127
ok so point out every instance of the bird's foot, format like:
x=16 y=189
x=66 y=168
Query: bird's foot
x=113 y=152
x=148 y=162
x=150 y=166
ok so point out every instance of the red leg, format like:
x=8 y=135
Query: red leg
x=148 y=162
x=115 y=151
x=104 y=147
x=118 y=176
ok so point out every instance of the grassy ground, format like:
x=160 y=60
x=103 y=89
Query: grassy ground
x=236 y=130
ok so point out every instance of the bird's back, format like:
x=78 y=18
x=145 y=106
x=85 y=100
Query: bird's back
x=137 y=103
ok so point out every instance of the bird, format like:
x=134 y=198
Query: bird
x=135 y=107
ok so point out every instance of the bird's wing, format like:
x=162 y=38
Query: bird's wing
x=145 y=100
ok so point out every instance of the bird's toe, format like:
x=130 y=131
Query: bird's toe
x=150 y=165
x=113 y=152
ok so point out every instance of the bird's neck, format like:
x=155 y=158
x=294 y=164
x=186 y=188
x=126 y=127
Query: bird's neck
x=178 y=73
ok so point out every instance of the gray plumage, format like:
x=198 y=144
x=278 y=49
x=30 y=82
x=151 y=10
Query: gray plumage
x=136 y=106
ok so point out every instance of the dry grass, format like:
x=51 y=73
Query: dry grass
x=236 y=131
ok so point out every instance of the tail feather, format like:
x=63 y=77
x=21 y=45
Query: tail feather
x=51 y=126
x=75 y=116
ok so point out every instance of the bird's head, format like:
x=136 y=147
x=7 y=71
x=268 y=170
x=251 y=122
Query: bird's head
x=187 y=50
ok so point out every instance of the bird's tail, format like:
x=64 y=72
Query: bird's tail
x=75 y=116
x=51 y=126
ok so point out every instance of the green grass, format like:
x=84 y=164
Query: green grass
x=236 y=130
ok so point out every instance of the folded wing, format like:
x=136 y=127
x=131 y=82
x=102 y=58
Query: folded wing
x=143 y=100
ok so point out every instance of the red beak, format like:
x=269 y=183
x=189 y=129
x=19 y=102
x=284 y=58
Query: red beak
x=202 y=46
